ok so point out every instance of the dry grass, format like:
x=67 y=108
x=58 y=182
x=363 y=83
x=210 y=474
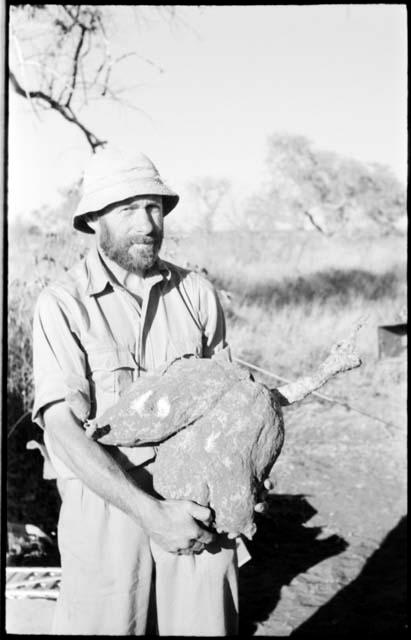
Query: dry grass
x=293 y=296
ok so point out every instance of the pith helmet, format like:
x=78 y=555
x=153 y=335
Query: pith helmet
x=112 y=177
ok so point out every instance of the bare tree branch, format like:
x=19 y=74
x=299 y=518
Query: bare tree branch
x=83 y=31
x=65 y=111
x=49 y=70
x=68 y=49
x=315 y=223
x=22 y=63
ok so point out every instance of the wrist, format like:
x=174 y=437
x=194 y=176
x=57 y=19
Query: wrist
x=149 y=509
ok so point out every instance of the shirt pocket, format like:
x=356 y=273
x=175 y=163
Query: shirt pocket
x=112 y=370
x=185 y=339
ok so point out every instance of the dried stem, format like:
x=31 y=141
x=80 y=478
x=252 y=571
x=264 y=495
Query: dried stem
x=343 y=357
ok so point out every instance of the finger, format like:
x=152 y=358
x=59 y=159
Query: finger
x=268 y=484
x=231 y=536
x=90 y=431
x=197 y=547
x=183 y=552
x=261 y=507
x=206 y=537
x=200 y=513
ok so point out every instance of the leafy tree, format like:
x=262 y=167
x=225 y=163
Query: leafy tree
x=308 y=187
x=209 y=193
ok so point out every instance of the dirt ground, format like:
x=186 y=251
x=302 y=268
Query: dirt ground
x=329 y=558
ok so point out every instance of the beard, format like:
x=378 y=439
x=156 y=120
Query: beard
x=136 y=254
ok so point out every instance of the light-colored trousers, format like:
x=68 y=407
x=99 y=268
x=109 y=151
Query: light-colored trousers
x=116 y=582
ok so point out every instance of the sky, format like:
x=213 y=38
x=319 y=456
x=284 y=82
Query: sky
x=232 y=76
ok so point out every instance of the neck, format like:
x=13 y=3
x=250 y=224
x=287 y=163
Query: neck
x=134 y=282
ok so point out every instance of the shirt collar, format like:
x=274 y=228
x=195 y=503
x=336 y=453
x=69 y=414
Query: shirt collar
x=99 y=276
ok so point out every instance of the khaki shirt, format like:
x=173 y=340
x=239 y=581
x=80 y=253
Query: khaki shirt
x=91 y=338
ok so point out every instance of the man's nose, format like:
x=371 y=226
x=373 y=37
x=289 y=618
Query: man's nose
x=143 y=222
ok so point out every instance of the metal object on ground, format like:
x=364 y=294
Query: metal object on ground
x=392 y=340
x=33 y=582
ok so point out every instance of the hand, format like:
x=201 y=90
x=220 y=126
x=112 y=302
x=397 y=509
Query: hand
x=173 y=525
x=262 y=504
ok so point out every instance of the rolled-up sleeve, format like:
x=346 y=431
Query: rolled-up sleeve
x=59 y=362
x=212 y=320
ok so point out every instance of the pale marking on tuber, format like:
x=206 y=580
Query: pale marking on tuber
x=138 y=403
x=163 y=407
x=210 y=442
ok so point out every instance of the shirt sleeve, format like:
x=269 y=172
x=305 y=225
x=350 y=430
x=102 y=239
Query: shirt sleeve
x=211 y=315
x=59 y=362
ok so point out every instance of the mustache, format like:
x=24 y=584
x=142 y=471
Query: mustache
x=145 y=239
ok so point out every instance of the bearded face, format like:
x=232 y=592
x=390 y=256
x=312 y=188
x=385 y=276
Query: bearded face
x=137 y=253
x=131 y=233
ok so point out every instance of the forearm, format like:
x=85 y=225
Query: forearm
x=93 y=465
x=173 y=524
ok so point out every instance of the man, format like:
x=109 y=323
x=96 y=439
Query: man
x=132 y=563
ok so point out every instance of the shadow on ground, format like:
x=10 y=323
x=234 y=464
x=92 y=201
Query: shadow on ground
x=281 y=549
x=375 y=602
